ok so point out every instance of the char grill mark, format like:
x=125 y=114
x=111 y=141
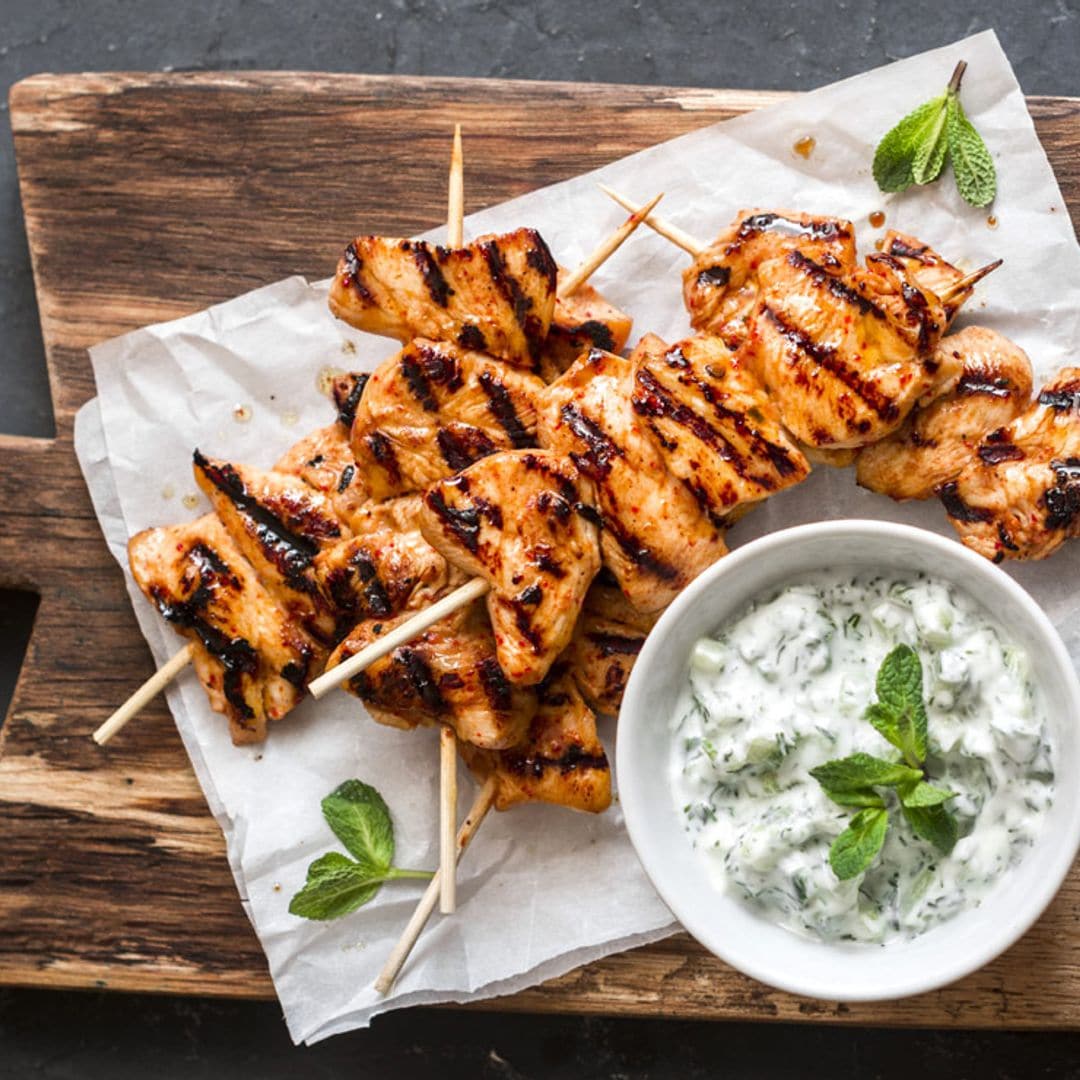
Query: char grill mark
x=472 y=337
x=382 y=450
x=511 y=289
x=598 y=333
x=906 y=251
x=496 y=686
x=354 y=265
x=346 y=478
x=637 y=551
x=421 y=678
x=376 y=598
x=1062 y=399
x=993 y=453
x=971 y=383
x=291 y=553
x=437 y=366
x=616 y=644
x=463 y=523
x=956 y=508
x=714 y=277
x=347 y=393
x=827 y=358
x=501 y=406
x=596 y=462
x=574 y=758
x=431 y=272
x=772 y=222
x=461 y=447
x=842 y=291
x=539 y=257
x=1063 y=500
x=418 y=384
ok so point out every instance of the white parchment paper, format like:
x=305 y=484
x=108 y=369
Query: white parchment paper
x=542 y=890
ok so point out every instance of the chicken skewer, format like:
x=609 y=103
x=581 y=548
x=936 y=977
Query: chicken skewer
x=477 y=587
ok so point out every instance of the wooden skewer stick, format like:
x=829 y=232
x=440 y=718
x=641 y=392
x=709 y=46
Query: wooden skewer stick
x=447 y=819
x=400 y=953
x=143 y=696
x=605 y=249
x=455 y=237
x=455 y=205
x=658 y=224
x=459 y=598
x=968 y=282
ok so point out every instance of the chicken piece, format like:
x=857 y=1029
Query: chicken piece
x=251 y=657
x=714 y=425
x=845 y=355
x=448 y=674
x=523 y=521
x=654 y=537
x=720 y=287
x=346 y=390
x=496 y=294
x=582 y=321
x=433 y=409
x=561 y=761
x=385 y=565
x=324 y=461
x=607 y=639
x=927 y=269
x=280 y=525
x=988 y=383
x=1019 y=496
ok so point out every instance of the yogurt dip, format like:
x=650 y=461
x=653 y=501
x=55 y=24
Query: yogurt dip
x=783 y=688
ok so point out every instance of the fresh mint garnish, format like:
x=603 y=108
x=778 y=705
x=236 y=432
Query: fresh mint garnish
x=336 y=884
x=899 y=715
x=916 y=149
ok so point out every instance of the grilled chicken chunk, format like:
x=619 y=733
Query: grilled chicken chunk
x=433 y=409
x=582 y=321
x=251 y=657
x=561 y=761
x=927 y=269
x=607 y=639
x=523 y=521
x=987 y=384
x=846 y=355
x=448 y=674
x=654 y=538
x=720 y=287
x=385 y=566
x=324 y=461
x=496 y=294
x=1019 y=496
x=280 y=525
x=713 y=423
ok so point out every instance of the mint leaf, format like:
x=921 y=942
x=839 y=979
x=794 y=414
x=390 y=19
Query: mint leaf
x=360 y=819
x=976 y=177
x=934 y=824
x=855 y=797
x=857 y=846
x=929 y=157
x=895 y=155
x=862 y=771
x=920 y=794
x=900 y=715
x=335 y=886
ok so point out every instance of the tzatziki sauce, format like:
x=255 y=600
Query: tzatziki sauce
x=783 y=688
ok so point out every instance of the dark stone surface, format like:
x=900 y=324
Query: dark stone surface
x=782 y=44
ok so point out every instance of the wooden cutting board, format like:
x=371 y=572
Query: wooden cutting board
x=148 y=197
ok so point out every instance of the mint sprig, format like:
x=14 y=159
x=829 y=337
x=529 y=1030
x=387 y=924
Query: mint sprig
x=916 y=150
x=899 y=715
x=337 y=885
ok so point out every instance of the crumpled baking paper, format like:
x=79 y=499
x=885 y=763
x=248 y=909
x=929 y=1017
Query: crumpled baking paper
x=542 y=890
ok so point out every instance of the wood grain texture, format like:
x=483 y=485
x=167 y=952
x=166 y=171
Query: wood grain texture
x=150 y=196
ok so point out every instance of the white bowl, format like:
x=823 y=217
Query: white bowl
x=747 y=941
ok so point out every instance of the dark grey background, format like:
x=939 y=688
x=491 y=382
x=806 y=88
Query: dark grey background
x=773 y=44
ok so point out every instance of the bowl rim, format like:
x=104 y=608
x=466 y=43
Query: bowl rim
x=635 y=813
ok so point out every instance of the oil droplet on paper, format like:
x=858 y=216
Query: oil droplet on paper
x=877 y=218
x=324 y=381
x=804 y=147
x=290 y=418
x=168 y=491
x=241 y=413
x=348 y=347
x=277 y=886
x=992 y=221
x=190 y=500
